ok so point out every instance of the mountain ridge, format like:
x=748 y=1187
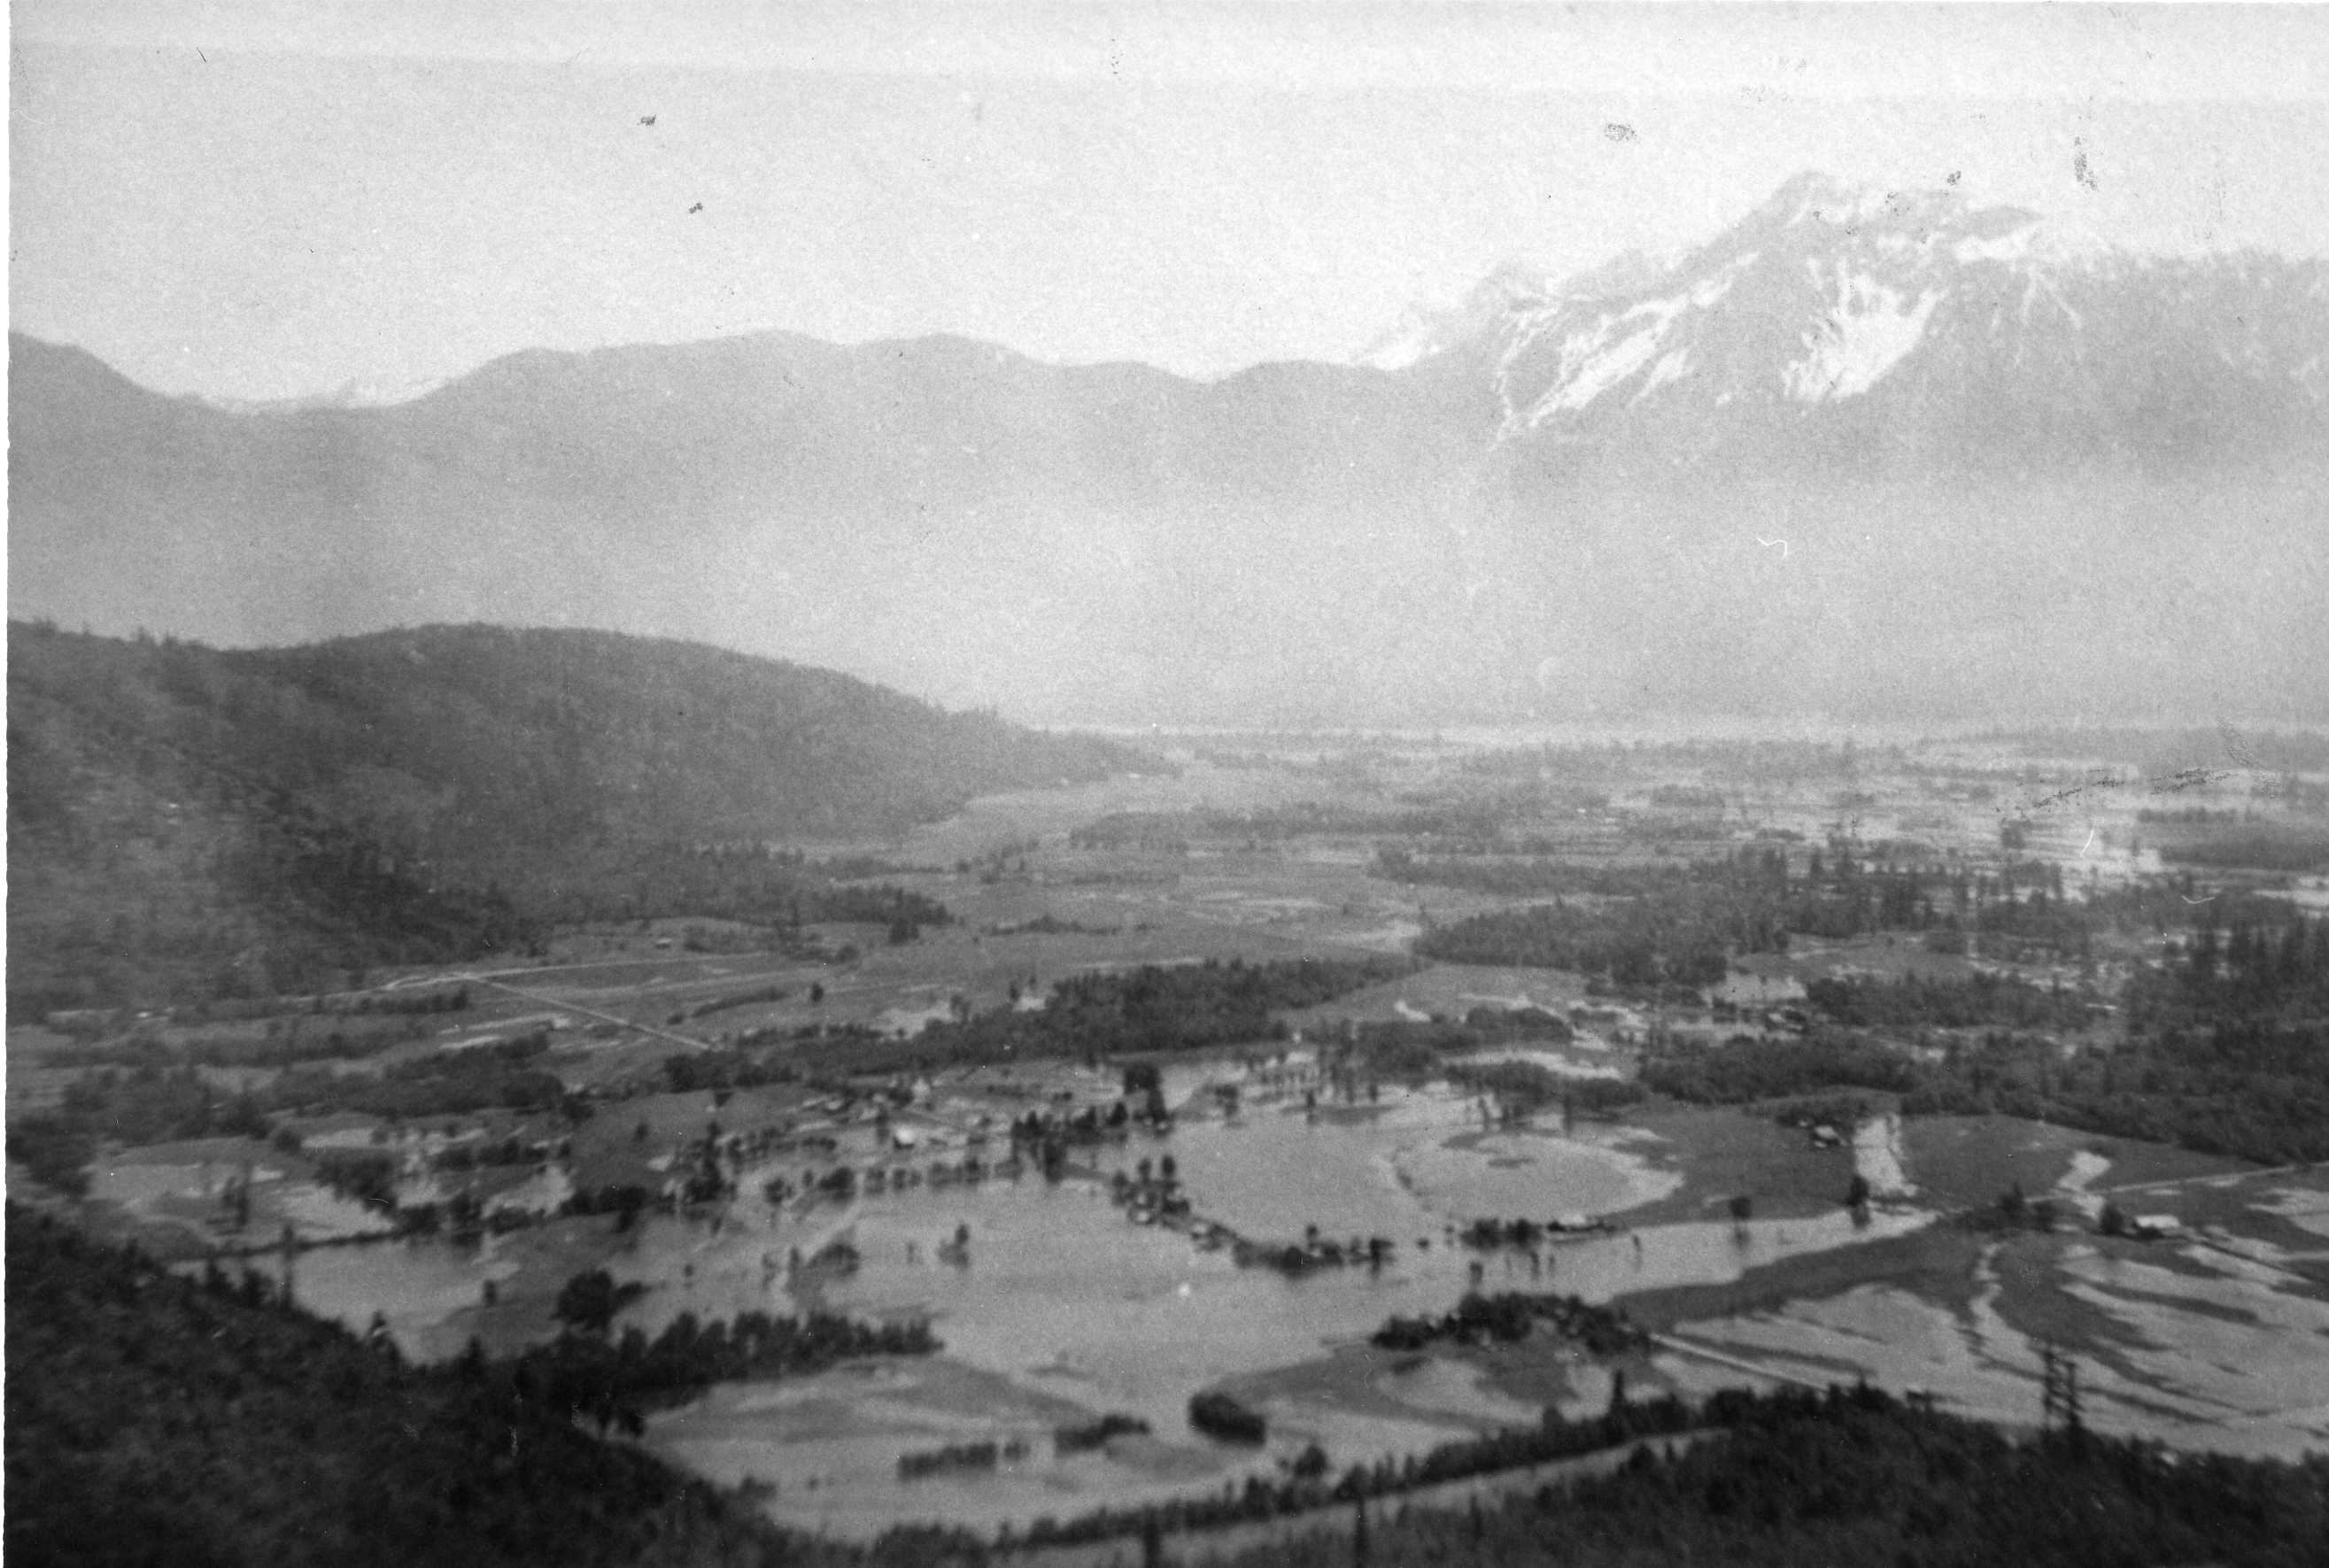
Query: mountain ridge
x=1556 y=511
x=185 y=822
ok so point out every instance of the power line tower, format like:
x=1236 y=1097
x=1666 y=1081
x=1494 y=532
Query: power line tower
x=2050 y=1401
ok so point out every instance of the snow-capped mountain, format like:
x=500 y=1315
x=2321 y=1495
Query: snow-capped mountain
x=1873 y=453
x=1918 y=314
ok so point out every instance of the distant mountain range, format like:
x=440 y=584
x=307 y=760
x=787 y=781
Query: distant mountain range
x=1867 y=454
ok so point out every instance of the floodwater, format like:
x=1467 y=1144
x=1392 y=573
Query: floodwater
x=1064 y=1309
x=1558 y=1063
x=2220 y=1352
x=417 y=1286
x=193 y=1194
x=1876 y=1156
x=1064 y=1304
x=1405 y=1167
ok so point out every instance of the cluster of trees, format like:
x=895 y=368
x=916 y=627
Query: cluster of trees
x=484 y=1153
x=2262 y=847
x=1221 y=1415
x=1521 y=1089
x=1672 y=929
x=1308 y=1486
x=746 y=1064
x=959 y=1456
x=1315 y=1251
x=1086 y=1436
x=612 y=1381
x=2245 y=968
x=2252 y=1088
x=625 y=1200
x=777 y=890
x=1411 y=1050
x=1746 y=1069
x=754 y=997
x=2226 y=1049
x=1976 y=1000
x=1488 y=1234
x=1153 y=1009
x=1510 y=1315
x=161 y=1104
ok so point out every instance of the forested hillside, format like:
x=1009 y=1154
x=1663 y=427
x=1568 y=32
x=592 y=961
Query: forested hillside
x=1853 y=1477
x=155 y=1419
x=187 y=822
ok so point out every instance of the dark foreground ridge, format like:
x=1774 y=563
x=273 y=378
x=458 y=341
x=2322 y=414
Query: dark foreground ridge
x=1853 y=1477
x=157 y=1418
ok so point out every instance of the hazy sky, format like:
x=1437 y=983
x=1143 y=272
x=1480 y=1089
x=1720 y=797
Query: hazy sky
x=262 y=200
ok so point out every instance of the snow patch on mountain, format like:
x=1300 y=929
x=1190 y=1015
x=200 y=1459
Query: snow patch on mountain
x=1868 y=332
x=1671 y=367
x=1588 y=370
x=2009 y=247
x=1426 y=330
x=1592 y=364
x=2036 y=240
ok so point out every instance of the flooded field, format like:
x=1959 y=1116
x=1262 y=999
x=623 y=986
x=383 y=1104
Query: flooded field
x=1058 y=1309
x=1059 y=1300
x=2200 y=1341
x=899 y=1195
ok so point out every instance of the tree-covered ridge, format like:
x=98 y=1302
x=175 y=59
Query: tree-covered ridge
x=464 y=741
x=186 y=823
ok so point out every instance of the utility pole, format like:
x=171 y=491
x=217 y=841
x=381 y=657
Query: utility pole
x=2050 y=1398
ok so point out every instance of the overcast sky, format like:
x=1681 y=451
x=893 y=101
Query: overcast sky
x=262 y=201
